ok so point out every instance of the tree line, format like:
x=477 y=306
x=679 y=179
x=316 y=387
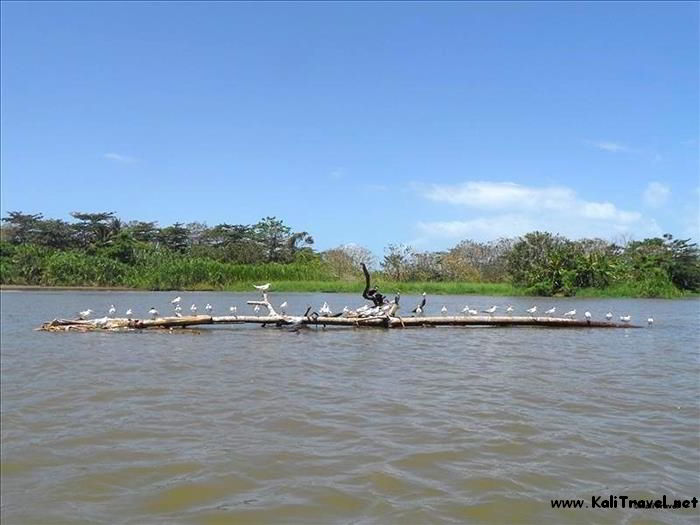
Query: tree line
x=101 y=249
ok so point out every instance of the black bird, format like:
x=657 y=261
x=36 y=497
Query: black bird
x=419 y=309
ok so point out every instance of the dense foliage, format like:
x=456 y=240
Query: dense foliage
x=98 y=249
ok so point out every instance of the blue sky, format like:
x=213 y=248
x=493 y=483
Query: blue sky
x=367 y=123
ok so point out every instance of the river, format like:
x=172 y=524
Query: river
x=245 y=424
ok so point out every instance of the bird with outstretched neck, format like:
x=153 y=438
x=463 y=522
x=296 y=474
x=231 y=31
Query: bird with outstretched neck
x=371 y=294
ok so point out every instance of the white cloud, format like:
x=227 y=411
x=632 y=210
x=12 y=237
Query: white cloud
x=656 y=194
x=612 y=147
x=509 y=210
x=511 y=197
x=119 y=158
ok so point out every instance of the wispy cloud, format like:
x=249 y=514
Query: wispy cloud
x=117 y=157
x=509 y=209
x=612 y=147
x=507 y=196
x=656 y=194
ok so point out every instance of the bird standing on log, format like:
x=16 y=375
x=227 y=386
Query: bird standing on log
x=419 y=309
x=371 y=294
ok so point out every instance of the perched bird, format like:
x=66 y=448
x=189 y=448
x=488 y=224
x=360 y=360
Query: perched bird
x=473 y=312
x=345 y=309
x=532 y=310
x=233 y=309
x=153 y=312
x=193 y=309
x=128 y=312
x=625 y=318
x=257 y=308
x=443 y=309
x=570 y=313
x=208 y=308
x=283 y=306
x=112 y=310
x=177 y=314
x=608 y=316
x=419 y=309
x=587 y=315
x=491 y=310
x=465 y=310
x=85 y=313
x=650 y=321
x=176 y=300
x=325 y=309
x=551 y=310
x=178 y=309
x=262 y=287
x=509 y=308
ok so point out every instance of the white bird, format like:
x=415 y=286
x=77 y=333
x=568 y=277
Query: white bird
x=608 y=316
x=112 y=310
x=86 y=313
x=625 y=318
x=491 y=310
x=345 y=309
x=257 y=308
x=262 y=287
x=587 y=315
x=283 y=306
x=443 y=309
x=551 y=310
x=233 y=309
x=177 y=314
x=473 y=312
x=532 y=310
x=650 y=321
x=509 y=308
x=325 y=309
x=570 y=313
x=176 y=300
x=128 y=312
x=208 y=308
x=178 y=308
x=153 y=312
x=193 y=309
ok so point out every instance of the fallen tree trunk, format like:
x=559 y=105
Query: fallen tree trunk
x=313 y=320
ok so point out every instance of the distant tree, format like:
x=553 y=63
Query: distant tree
x=684 y=268
x=174 y=237
x=397 y=260
x=22 y=228
x=96 y=229
x=143 y=231
x=273 y=235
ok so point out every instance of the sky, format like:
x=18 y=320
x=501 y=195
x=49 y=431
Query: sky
x=366 y=123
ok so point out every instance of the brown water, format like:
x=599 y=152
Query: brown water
x=253 y=425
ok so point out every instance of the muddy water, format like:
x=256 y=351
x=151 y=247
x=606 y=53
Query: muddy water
x=252 y=425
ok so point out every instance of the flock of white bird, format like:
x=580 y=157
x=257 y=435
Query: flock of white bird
x=325 y=310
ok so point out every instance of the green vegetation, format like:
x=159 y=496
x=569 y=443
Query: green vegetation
x=98 y=249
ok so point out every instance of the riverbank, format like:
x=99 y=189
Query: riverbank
x=387 y=287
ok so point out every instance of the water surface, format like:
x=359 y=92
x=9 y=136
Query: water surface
x=250 y=425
